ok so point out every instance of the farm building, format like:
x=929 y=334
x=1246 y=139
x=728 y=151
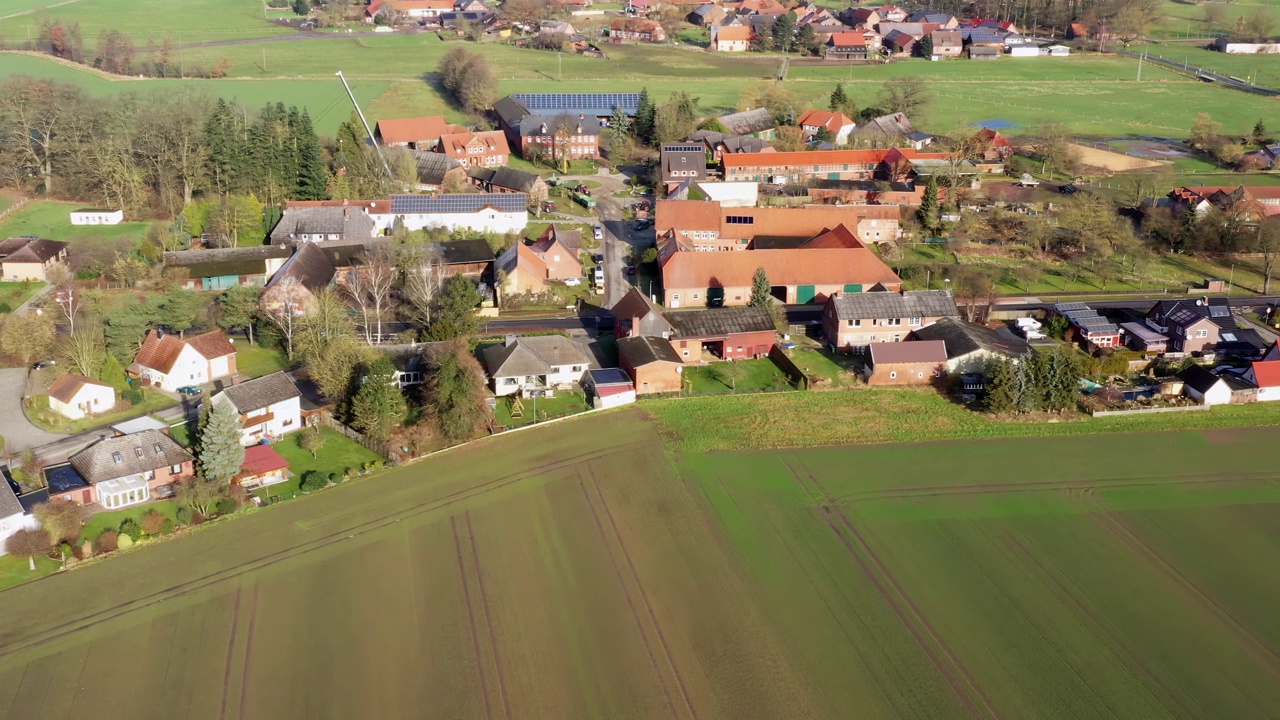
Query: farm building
x=434 y=169
x=1024 y=51
x=705 y=279
x=700 y=336
x=756 y=123
x=608 y=388
x=855 y=320
x=983 y=52
x=308 y=271
x=420 y=133
x=324 y=223
x=731 y=38
x=221 y=268
x=76 y=396
x=906 y=363
x=1244 y=47
x=971 y=348
x=96 y=216
x=654 y=366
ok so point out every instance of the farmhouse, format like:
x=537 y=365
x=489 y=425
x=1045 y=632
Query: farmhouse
x=731 y=38
x=30 y=258
x=169 y=362
x=972 y=348
x=222 y=268
x=652 y=364
x=906 y=363
x=499 y=213
x=269 y=407
x=76 y=396
x=852 y=321
x=560 y=124
x=419 y=133
x=125 y=470
x=294 y=286
x=535 y=364
x=322 y=224
x=701 y=279
x=476 y=149
x=756 y=122
x=683 y=161
x=96 y=216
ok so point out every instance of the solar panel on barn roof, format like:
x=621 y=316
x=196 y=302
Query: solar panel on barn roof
x=426 y=204
x=535 y=102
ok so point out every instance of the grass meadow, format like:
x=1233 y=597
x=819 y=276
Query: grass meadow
x=578 y=571
x=51 y=219
x=147 y=21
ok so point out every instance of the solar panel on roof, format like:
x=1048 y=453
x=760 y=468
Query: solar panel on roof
x=426 y=204
x=575 y=101
x=1070 y=306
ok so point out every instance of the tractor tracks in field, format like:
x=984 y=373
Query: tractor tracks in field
x=488 y=618
x=471 y=618
x=248 y=654
x=658 y=636
x=944 y=660
x=68 y=627
x=231 y=653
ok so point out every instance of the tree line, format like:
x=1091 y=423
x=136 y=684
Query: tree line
x=116 y=53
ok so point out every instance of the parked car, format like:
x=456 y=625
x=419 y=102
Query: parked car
x=573 y=282
x=631 y=269
x=188 y=390
x=44 y=364
x=599 y=234
x=598 y=258
x=643 y=224
x=1068 y=189
x=598 y=275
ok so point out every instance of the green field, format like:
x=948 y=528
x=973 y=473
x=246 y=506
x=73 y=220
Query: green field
x=577 y=570
x=1262 y=70
x=147 y=21
x=52 y=220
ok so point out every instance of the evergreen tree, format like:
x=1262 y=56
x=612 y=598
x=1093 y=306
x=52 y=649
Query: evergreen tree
x=239 y=306
x=313 y=176
x=226 y=140
x=928 y=211
x=1259 y=134
x=838 y=98
x=807 y=40
x=378 y=406
x=112 y=373
x=784 y=32
x=619 y=128
x=646 y=115
x=221 y=454
x=760 y=296
x=1002 y=396
x=926 y=46
x=456 y=315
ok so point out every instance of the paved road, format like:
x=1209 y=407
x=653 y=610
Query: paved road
x=1203 y=73
x=19 y=434
x=1142 y=304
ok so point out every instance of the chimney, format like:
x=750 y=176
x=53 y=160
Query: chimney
x=511 y=340
x=159 y=333
x=582 y=116
x=346 y=213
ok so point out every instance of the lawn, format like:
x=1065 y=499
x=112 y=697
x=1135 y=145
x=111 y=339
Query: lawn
x=52 y=220
x=99 y=522
x=146 y=21
x=577 y=570
x=1260 y=70
x=13 y=294
x=753 y=376
x=564 y=403
x=256 y=361
x=829 y=369
x=339 y=454
x=16 y=570
x=43 y=417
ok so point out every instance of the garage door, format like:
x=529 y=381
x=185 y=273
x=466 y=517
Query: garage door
x=805 y=293
x=855 y=287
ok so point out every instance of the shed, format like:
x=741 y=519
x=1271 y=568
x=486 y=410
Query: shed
x=907 y=363
x=77 y=396
x=1059 y=51
x=609 y=387
x=1138 y=336
x=983 y=52
x=1201 y=384
x=1024 y=51
x=96 y=216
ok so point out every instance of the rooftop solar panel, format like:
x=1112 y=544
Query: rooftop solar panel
x=427 y=204
x=578 y=101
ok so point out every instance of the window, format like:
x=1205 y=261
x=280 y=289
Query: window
x=175 y=469
x=287 y=423
x=893 y=322
x=893 y=375
x=695 y=296
x=117 y=457
x=1202 y=333
x=739 y=220
x=915 y=322
x=920 y=375
x=159 y=449
x=675 y=296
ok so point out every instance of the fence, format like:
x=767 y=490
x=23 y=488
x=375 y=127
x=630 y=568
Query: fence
x=1148 y=411
x=789 y=367
x=334 y=424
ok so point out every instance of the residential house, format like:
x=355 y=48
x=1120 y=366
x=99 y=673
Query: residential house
x=637 y=315
x=1251 y=202
x=96 y=216
x=891 y=13
x=860 y=18
x=701 y=279
x=418 y=133
x=756 y=122
x=559 y=125
x=169 y=362
x=652 y=363
x=508 y=180
x=735 y=333
x=1201 y=384
x=683 y=161
x=853 y=321
x=1089 y=329
x=222 y=268
x=269 y=407
x=1059 y=51
x=782 y=168
x=435 y=169
x=836 y=126
x=608 y=388
x=1266 y=158
x=706 y=15
x=294 y=286
x=731 y=38
x=1265 y=375
x=262 y=466
x=126 y=470
x=721 y=144
x=972 y=348
x=497 y=213
x=638 y=29
x=906 y=363
x=535 y=364
x=1272 y=353
x=476 y=149
x=849 y=45
x=639 y=8
x=947 y=43
x=944 y=20
x=14 y=515
x=552 y=257
x=323 y=224
x=1190 y=331
x=1142 y=338
x=891 y=130
x=30 y=258
x=76 y=396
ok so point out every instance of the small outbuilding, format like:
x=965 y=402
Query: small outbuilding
x=1201 y=384
x=77 y=396
x=609 y=387
x=654 y=366
x=262 y=466
x=96 y=216
x=906 y=363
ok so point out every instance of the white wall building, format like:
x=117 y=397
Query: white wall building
x=533 y=364
x=76 y=396
x=498 y=212
x=12 y=516
x=96 y=216
x=170 y=363
x=269 y=407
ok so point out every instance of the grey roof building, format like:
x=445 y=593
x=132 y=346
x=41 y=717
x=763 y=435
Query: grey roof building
x=719 y=321
x=227 y=261
x=729 y=143
x=683 y=161
x=970 y=346
x=644 y=349
x=260 y=392
x=750 y=122
x=321 y=224
x=505 y=178
x=907 y=304
x=433 y=167
x=127 y=455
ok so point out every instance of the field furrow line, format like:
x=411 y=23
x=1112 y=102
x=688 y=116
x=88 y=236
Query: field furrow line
x=821 y=504
x=248 y=655
x=644 y=599
x=488 y=618
x=1085 y=612
x=471 y=617
x=1253 y=644
x=627 y=595
x=1118 y=483
x=231 y=647
x=289 y=553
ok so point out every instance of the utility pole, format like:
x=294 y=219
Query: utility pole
x=559 y=66
x=377 y=149
x=1141 y=57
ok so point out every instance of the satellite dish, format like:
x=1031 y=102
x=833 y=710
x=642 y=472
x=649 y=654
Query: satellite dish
x=679 y=370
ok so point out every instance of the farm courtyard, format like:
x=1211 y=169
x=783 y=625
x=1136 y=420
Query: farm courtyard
x=577 y=571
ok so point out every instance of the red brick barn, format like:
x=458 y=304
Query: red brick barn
x=721 y=333
x=907 y=363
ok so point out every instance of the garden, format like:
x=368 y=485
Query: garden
x=147 y=402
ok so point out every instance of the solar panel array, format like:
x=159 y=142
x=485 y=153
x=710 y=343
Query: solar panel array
x=427 y=204
x=536 y=102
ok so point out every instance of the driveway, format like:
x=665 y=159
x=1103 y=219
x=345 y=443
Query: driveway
x=19 y=434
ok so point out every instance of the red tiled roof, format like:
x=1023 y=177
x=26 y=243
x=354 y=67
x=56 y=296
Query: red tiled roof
x=837 y=237
x=832 y=121
x=733 y=32
x=404 y=130
x=212 y=345
x=262 y=459
x=686 y=215
x=160 y=352
x=784 y=267
x=455 y=144
x=1267 y=374
x=849 y=39
x=809 y=157
x=67 y=385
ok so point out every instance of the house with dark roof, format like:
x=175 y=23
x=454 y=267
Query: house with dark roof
x=269 y=407
x=1199 y=383
x=222 y=268
x=560 y=125
x=469 y=257
x=738 y=333
x=77 y=396
x=683 y=161
x=853 y=321
x=721 y=144
x=434 y=169
x=651 y=362
x=30 y=258
x=972 y=348
x=508 y=180
x=756 y=122
x=534 y=364
x=1203 y=325
x=125 y=470
x=169 y=362
x=294 y=286
x=1087 y=328
x=906 y=363
x=706 y=15
x=322 y=224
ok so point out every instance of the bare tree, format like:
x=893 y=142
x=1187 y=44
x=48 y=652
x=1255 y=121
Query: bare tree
x=69 y=300
x=60 y=518
x=423 y=278
x=85 y=351
x=38 y=111
x=28 y=542
x=1268 y=245
x=370 y=288
x=284 y=305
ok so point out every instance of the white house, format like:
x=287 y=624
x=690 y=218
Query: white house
x=269 y=407
x=169 y=362
x=1265 y=375
x=13 y=517
x=531 y=364
x=1024 y=51
x=96 y=216
x=1200 y=384
x=76 y=396
x=837 y=124
x=497 y=212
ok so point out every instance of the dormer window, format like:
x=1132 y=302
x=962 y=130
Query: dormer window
x=159 y=449
x=137 y=452
x=117 y=457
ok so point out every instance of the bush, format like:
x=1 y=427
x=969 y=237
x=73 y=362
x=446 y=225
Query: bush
x=372 y=466
x=130 y=527
x=226 y=506
x=313 y=480
x=184 y=516
x=133 y=396
x=107 y=541
x=4 y=308
x=335 y=478
x=154 y=523
x=125 y=542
